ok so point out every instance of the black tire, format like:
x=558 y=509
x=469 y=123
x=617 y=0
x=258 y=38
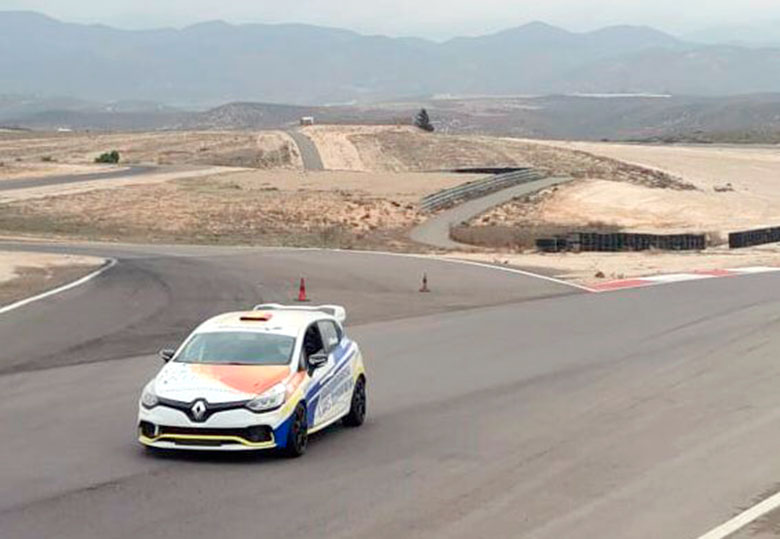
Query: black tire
x=357 y=409
x=298 y=436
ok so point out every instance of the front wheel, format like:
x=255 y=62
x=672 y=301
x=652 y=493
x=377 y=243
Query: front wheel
x=357 y=410
x=298 y=435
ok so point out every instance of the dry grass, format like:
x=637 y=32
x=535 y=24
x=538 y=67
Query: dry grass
x=517 y=238
x=265 y=149
x=226 y=210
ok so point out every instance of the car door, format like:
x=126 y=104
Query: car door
x=338 y=388
x=320 y=409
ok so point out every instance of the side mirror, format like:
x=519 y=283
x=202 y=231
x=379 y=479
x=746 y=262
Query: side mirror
x=317 y=361
x=167 y=355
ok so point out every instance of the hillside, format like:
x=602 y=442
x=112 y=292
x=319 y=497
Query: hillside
x=750 y=118
x=215 y=62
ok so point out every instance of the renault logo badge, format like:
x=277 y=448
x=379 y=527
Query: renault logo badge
x=198 y=410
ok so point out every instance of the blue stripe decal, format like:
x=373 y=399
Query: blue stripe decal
x=347 y=352
x=314 y=391
x=311 y=410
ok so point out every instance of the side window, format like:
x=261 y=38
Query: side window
x=331 y=336
x=312 y=341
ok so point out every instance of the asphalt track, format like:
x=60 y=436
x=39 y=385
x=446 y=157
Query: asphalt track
x=500 y=405
x=25 y=183
x=310 y=155
x=436 y=230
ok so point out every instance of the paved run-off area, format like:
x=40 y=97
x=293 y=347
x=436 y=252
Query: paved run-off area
x=500 y=405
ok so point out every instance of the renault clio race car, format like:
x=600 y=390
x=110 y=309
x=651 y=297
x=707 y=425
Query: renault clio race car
x=254 y=380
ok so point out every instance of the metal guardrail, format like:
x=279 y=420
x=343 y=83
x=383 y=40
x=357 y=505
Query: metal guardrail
x=475 y=189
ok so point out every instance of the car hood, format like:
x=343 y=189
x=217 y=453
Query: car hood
x=217 y=383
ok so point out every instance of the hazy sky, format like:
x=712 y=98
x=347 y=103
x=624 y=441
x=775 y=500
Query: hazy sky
x=426 y=18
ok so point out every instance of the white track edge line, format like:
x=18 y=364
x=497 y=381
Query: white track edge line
x=743 y=519
x=461 y=261
x=105 y=267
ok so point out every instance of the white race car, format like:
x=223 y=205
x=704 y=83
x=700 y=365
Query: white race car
x=261 y=379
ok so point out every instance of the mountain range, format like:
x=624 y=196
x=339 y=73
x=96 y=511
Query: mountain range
x=215 y=62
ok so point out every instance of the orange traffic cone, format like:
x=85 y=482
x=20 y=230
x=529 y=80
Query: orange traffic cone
x=425 y=288
x=302 y=291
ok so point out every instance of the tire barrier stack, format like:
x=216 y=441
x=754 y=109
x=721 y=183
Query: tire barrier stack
x=475 y=189
x=488 y=170
x=748 y=238
x=616 y=242
x=552 y=245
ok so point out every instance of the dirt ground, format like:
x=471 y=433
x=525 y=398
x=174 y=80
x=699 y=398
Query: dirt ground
x=21 y=170
x=24 y=274
x=25 y=154
x=753 y=169
x=160 y=176
x=583 y=267
x=328 y=209
x=736 y=188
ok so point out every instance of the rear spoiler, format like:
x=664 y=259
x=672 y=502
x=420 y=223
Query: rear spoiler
x=336 y=311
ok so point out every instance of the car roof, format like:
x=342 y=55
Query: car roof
x=272 y=321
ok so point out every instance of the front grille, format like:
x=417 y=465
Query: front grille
x=210 y=409
x=256 y=434
x=204 y=443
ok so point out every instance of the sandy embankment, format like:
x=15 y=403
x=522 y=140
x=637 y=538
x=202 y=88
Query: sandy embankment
x=408 y=149
x=736 y=188
x=336 y=149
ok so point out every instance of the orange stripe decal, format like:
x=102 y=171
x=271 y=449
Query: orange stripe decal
x=253 y=379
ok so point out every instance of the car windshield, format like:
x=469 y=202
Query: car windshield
x=238 y=348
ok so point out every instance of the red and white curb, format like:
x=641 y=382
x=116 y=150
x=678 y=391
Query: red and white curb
x=641 y=282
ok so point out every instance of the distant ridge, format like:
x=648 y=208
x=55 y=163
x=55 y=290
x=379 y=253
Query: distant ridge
x=216 y=62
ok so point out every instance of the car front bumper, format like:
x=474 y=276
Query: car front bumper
x=232 y=430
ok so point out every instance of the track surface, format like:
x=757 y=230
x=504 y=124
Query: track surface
x=436 y=230
x=25 y=183
x=500 y=406
x=309 y=152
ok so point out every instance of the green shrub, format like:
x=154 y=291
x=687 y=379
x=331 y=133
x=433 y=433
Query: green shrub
x=423 y=121
x=108 y=157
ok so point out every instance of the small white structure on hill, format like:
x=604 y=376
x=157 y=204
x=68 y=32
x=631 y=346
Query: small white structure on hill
x=307 y=120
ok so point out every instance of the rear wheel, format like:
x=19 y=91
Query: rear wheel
x=298 y=436
x=357 y=410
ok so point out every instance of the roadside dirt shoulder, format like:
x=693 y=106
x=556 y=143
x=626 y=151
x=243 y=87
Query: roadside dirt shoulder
x=25 y=274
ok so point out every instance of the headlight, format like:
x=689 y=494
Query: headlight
x=270 y=400
x=149 y=397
